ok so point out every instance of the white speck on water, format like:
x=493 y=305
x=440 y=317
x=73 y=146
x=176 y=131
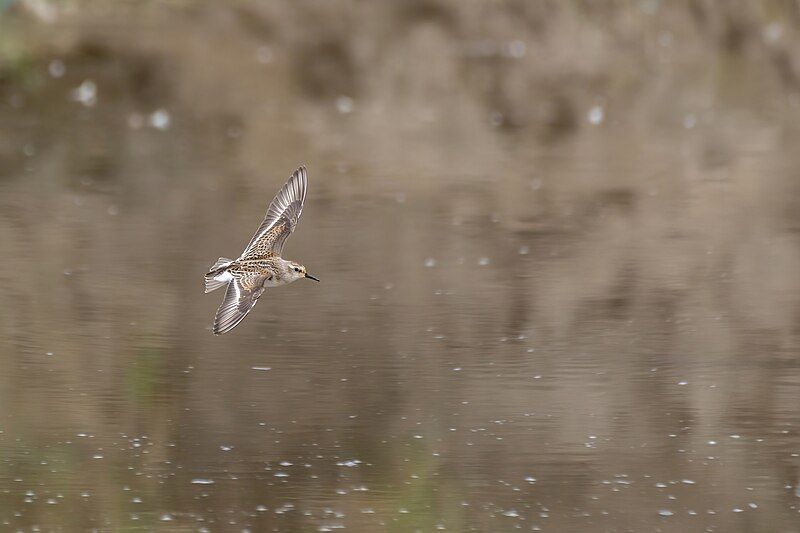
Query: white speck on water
x=56 y=68
x=736 y=436
x=483 y=261
x=665 y=512
x=772 y=33
x=86 y=93
x=688 y=481
x=511 y=512
x=50 y=354
x=202 y=481
x=281 y=474
x=683 y=383
x=456 y=369
x=430 y=262
x=524 y=250
x=264 y=55
x=530 y=479
x=595 y=115
x=350 y=463
x=368 y=510
x=737 y=510
x=97 y=456
x=752 y=505
x=689 y=121
x=160 y=119
x=262 y=368
x=344 y=104
x=712 y=442
x=261 y=508
x=226 y=448
x=166 y=518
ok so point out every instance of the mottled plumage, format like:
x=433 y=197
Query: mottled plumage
x=260 y=266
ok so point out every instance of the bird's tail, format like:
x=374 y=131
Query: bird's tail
x=212 y=283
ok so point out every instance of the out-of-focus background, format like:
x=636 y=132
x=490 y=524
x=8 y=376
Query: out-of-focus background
x=559 y=244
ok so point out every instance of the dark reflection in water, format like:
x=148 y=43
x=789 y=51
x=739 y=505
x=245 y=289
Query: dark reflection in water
x=565 y=326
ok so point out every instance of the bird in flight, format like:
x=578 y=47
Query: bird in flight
x=260 y=266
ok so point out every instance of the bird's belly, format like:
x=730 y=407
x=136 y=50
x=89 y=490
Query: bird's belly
x=273 y=282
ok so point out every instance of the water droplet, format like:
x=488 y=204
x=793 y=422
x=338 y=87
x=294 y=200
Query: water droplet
x=596 y=115
x=773 y=32
x=264 y=55
x=56 y=68
x=86 y=93
x=344 y=104
x=160 y=119
x=665 y=512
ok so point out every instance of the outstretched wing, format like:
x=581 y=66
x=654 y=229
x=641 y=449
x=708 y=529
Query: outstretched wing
x=240 y=298
x=281 y=219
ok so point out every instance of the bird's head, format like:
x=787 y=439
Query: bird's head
x=297 y=271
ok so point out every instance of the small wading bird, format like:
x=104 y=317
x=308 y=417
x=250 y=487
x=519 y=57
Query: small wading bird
x=260 y=266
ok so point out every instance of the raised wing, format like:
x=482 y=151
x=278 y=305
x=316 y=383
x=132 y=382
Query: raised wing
x=240 y=298
x=282 y=216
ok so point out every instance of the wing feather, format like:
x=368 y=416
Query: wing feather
x=282 y=216
x=240 y=297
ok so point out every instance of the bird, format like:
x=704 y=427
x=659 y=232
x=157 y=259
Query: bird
x=260 y=266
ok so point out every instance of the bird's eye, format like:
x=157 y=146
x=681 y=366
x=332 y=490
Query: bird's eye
x=297 y=269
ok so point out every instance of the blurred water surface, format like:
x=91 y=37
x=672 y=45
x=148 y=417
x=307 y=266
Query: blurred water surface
x=576 y=314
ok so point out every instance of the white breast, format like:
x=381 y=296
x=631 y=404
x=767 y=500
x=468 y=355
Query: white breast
x=274 y=282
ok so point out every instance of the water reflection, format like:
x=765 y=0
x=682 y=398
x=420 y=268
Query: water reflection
x=589 y=327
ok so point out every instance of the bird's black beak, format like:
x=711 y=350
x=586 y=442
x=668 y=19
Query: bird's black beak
x=309 y=276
